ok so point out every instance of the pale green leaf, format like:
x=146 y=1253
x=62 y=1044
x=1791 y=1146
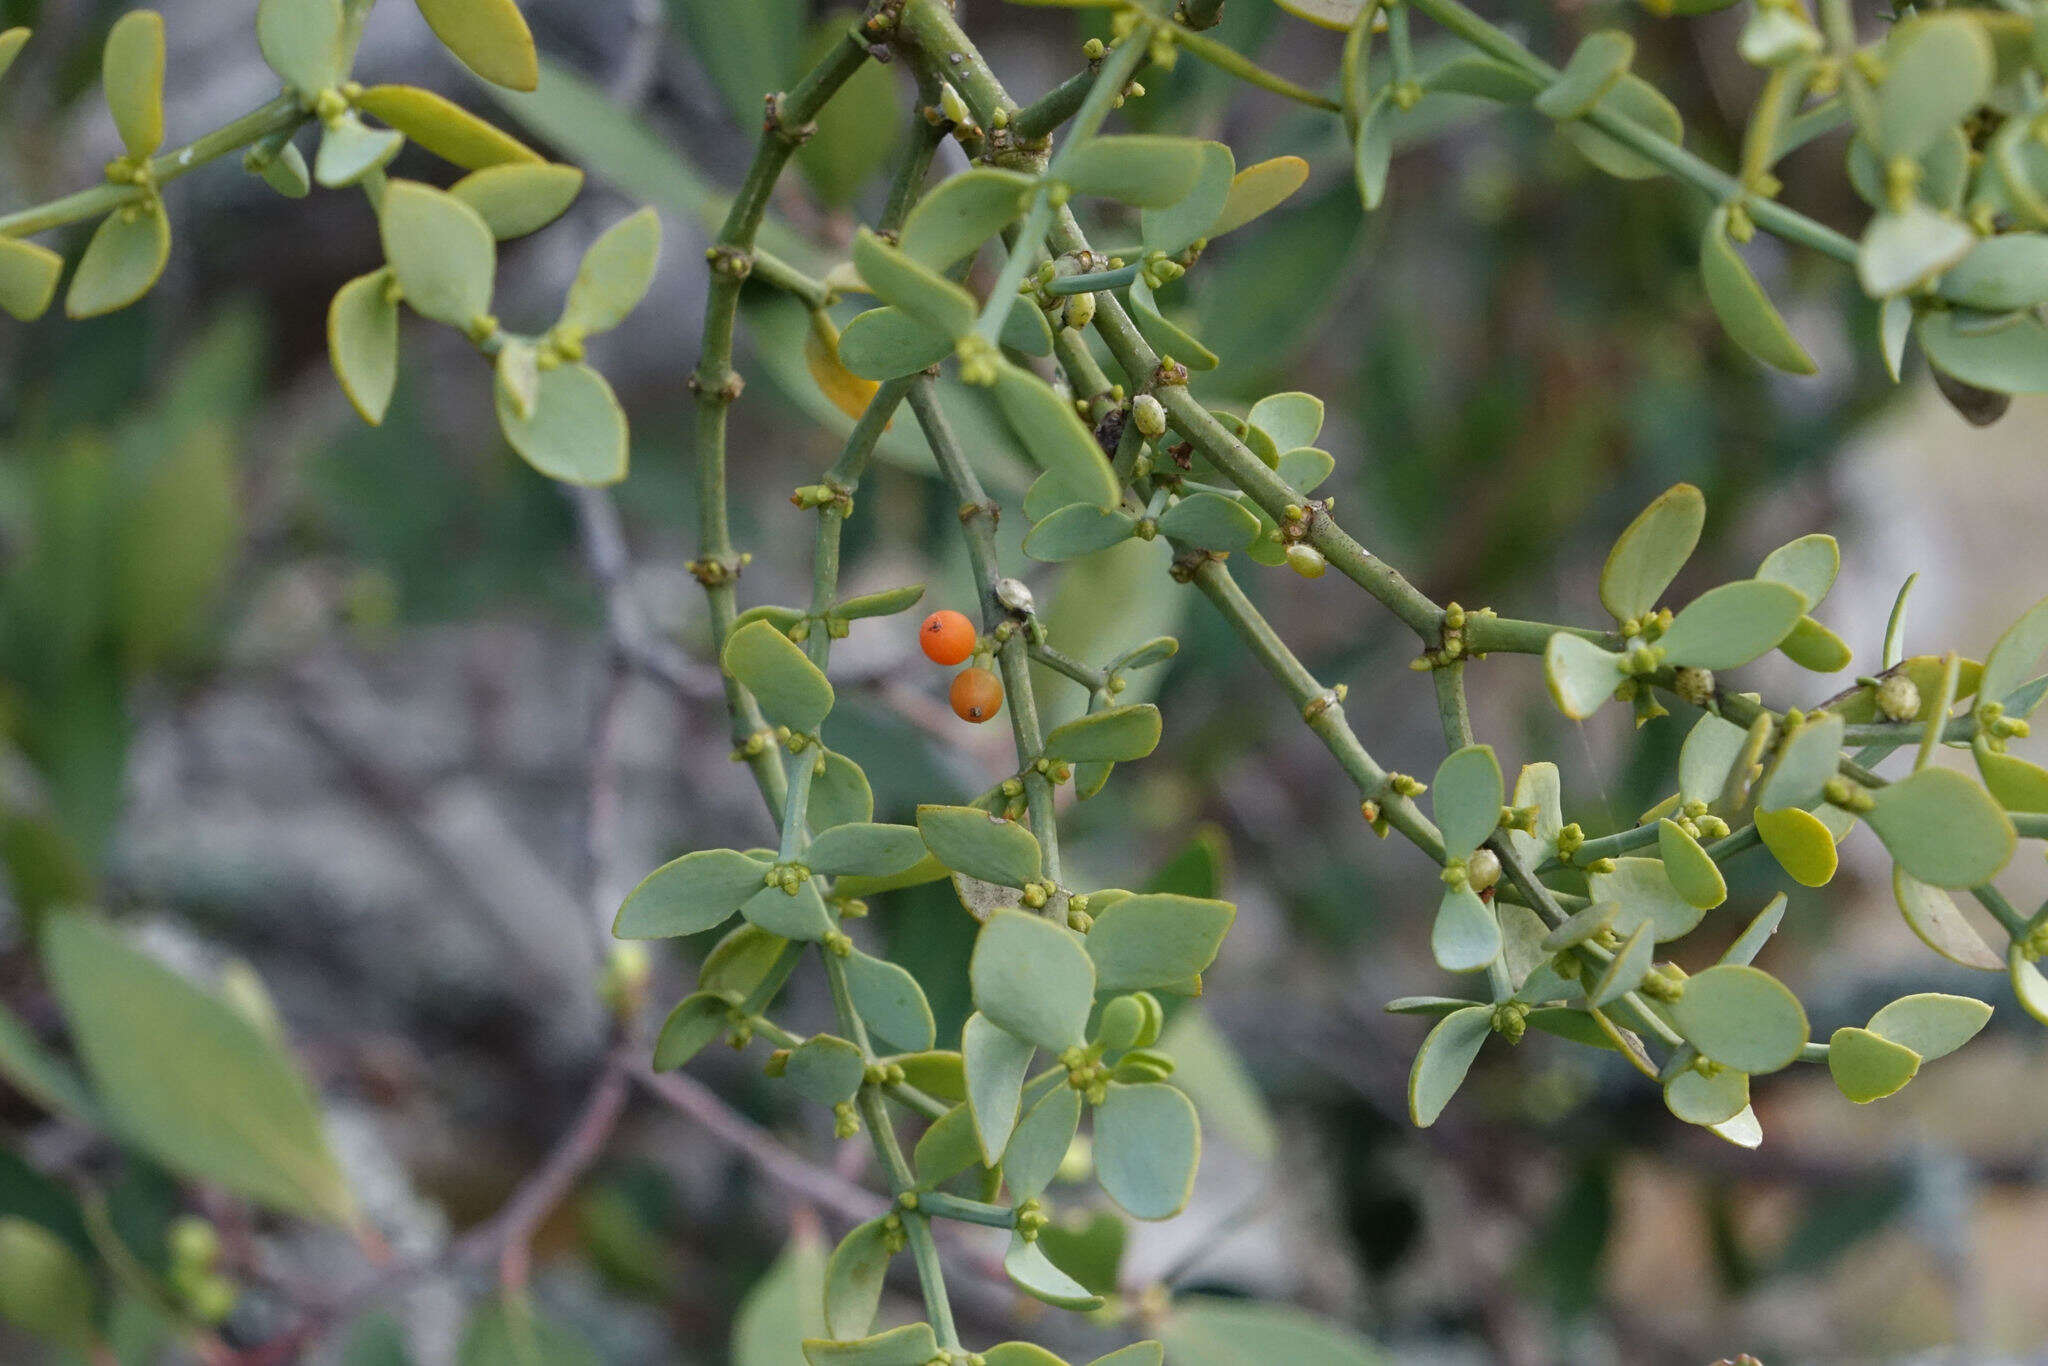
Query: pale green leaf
x=1636 y=100
x=690 y=894
x=1034 y=978
x=577 y=431
x=854 y=1274
x=362 y=342
x=962 y=212
x=826 y=1069
x=1708 y=1100
x=444 y=128
x=518 y=197
x=1040 y=1142
x=1155 y=939
x=441 y=250
x=1148 y=1143
x=1645 y=892
x=1033 y=1272
x=1075 y=530
x=994 y=1062
x=350 y=149
x=792 y=691
x=696 y=1020
x=971 y=841
x=793 y=915
x=911 y=1345
x=1937 y=70
x=122 y=262
x=614 y=276
x=1210 y=521
x=1741 y=1017
x=1465 y=936
x=132 y=69
x=1752 y=320
x=1442 y=1061
x=1601 y=59
x=864 y=849
x=1581 y=676
x=1649 y=553
x=1175 y=227
x=1932 y=914
x=1466 y=797
x=1726 y=627
x=28 y=277
x=1052 y=433
x=1942 y=828
x=1691 y=871
x=1113 y=735
x=913 y=287
x=1145 y=169
x=884 y=343
x=1932 y=1024
x=890 y=1001
x=1625 y=971
x=302 y=42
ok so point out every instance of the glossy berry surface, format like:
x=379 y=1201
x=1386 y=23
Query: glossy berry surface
x=976 y=695
x=946 y=637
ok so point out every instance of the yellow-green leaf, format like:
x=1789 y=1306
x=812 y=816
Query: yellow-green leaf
x=302 y=41
x=12 y=40
x=615 y=275
x=28 y=277
x=443 y=127
x=518 y=197
x=1741 y=304
x=441 y=251
x=1932 y=914
x=1649 y=553
x=577 y=432
x=1868 y=1066
x=123 y=261
x=489 y=36
x=133 y=72
x=1800 y=843
x=1259 y=189
x=1691 y=871
x=362 y=342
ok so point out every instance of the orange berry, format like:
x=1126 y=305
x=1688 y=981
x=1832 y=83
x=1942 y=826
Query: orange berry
x=946 y=637
x=976 y=695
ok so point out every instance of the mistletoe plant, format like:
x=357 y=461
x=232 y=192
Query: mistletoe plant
x=1071 y=345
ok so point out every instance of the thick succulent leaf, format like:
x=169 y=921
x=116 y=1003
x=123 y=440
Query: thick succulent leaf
x=962 y=212
x=1868 y=1066
x=1581 y=676
x=1803 y=846
x=576 y=431
x=1933 y=1024
x=1649 y=553
x=792 y=691
x=444 y=127
x=690 y=894
x=1466 y=797
x=489 y=36
x=1727 y=627
x=1147 y=1146
x=1942 y=828
x=1442 y=1061
x=971 y=841
x=1741 y=1017
x=122 y=262
x=362 y=343
x=994 y=1062
x=441 y=250
x=1033 y=978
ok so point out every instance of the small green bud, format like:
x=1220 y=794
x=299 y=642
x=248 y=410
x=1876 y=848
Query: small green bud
x=1079 y=310
x=1511 y=1020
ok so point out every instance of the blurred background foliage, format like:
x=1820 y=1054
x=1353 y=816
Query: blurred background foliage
x=333 y=701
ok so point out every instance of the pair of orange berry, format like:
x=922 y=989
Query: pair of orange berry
x=948 y=638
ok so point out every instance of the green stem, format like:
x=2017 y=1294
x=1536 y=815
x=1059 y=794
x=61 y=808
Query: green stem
x=1229 y=59
x=977 y=521
x=279 y=115
x=944 y=1206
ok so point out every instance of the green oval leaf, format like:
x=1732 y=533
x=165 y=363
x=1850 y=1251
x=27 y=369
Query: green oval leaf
x=1175 y=227
x=690 y=1027
x=1211 y=521
x=1942 y=828
x=994 y=1062
x=913 y=287
x=302 y=42
x=1052 y=432
x=1752 y=320
x=1033 y=978
x=1652 y=549
x=441 y=250
x=1114 y=735
x=1040 y=1143
x=913 y=1344
x=2013 y=659
x=515 y=198
x=1076 y=530
x=946 y=1149
x=792 y=691
x=615 y=275
x=576 y=432
x=28 y=278
x=44 y=1288
x=971 y=841
x=1466 y=796
x=1933 y=915
x=793 y=915
x=890 y=1001
x=1867 y=1066
x=1707 y=1100
x=961 y=212
x=350 y=149
x=1601 y=59
x=1580 y=675
x=1727 y=627
x=1741 y=1017
x=1148 y=170
x=1444 y=1058
x=1803 y=846
x=1258 y=189
x=1932 y=1024
x=853 y=1279
x=1033 y=1272
x=1624 y=972
x=1937 y=70
x=867 y=850
x=689 y=894
x=1646 y=895
x=1691 y=871
x=887 y=343
x=1636 y=100
x=826 y=1069
x=1147 y=1146
x=132 y=69
x=362 y=343
x=1156 y=939
x=2029 y=985
x=1465 y=936
x=122 y=262
x=1904 y=248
